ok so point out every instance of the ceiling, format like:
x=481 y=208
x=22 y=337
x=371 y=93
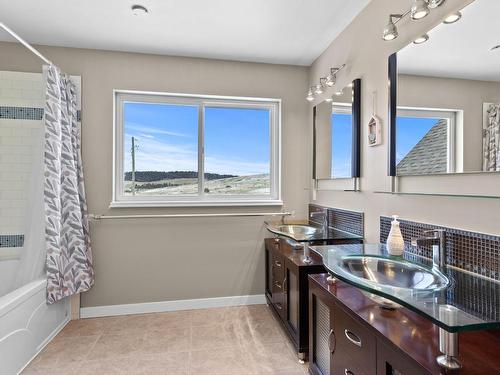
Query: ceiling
x=272 y=31
x=459 y=50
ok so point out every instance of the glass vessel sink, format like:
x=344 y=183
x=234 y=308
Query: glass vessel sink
x=398 y=274
x=455 y=300
x=297 y=230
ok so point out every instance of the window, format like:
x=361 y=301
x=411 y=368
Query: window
x=425 y=141
x=173 y=149
x=341 y=141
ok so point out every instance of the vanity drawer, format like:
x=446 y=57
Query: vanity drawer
x=278 y=268
x=355 y=343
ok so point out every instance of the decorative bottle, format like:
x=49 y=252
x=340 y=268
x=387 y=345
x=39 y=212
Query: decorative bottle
x=395 y=241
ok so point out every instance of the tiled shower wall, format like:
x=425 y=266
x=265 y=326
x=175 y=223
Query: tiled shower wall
x=21 y=98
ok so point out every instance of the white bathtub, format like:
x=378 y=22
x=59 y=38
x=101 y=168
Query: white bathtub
x=27 y=324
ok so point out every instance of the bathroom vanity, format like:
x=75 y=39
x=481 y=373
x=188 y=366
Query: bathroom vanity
x=288 y=264
x=398 y=315
x=351 y=334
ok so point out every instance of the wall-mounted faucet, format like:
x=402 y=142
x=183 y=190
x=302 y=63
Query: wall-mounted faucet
x=436 y=238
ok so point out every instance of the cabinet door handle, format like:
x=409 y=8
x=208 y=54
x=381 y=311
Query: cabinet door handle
x=352 y=337
x=331 y=341
x=348 y=372
x=284 y=285
x=277 y=263
x=279 y=306
x=277 y=284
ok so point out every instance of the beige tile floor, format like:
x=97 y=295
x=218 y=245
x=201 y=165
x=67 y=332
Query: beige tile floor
x=245 y=340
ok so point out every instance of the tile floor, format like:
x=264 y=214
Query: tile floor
x=244 y=340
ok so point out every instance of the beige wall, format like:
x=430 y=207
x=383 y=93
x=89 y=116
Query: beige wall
x=361 y=47
x=460 y=94
x=159 y=260
x=324 y=140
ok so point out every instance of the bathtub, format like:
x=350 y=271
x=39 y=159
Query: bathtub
x=27 y=324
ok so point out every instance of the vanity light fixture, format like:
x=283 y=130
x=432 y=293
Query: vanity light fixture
x=318 y=89
x=452 y=18
x=324 y=83
x=331 y=78
x=421 y=39
x=310 y=95
x=391 y=30
x=139 y=10
x=419 y=9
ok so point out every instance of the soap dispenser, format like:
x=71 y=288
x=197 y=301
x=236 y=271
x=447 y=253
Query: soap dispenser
x=395 y=241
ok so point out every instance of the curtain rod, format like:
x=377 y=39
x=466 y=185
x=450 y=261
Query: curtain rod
x=25 y=43
x=111 y=217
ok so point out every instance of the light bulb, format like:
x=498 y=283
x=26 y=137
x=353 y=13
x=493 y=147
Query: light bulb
x=318 y=90
x=310 y=95
x=330 y=80
x=419 y=9
x=390 y=31
x=421 y=39
x=452 y=18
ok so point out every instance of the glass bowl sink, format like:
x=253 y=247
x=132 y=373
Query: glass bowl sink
x=392 y=273
x=297 y=230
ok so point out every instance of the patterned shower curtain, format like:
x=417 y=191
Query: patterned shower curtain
x=69 y=257
x=491 y=138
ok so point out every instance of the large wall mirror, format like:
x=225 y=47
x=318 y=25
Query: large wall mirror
x=445 y=97
x=336 y=122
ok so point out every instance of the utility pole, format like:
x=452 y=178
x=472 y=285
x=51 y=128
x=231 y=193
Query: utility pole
x=132 y=151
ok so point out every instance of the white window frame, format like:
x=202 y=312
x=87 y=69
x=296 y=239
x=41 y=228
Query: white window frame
x=451 y=117
x=119 y=199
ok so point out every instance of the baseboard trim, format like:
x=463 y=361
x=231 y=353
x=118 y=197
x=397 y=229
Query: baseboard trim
x=164 y=306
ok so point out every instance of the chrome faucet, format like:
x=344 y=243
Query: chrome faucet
x=321 y=218
x=436 y=238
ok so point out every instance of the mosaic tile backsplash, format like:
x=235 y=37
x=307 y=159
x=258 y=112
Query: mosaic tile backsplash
x=345 y=220
x=11 y=240
x=348 y=221
x=475 y=252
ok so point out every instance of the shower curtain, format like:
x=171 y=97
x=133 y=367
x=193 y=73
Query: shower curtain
x=491 y=138
x=69 y=256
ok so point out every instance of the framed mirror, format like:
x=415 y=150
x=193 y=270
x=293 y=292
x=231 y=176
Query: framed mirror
x=336 y=134
x=445 y=97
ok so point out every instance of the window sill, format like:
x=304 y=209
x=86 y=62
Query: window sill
x=226 y=203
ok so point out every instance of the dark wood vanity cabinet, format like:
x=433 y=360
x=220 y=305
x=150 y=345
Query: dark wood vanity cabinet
x=349 y=334
x=391 y=362
x=287 y=288
x=341 y=343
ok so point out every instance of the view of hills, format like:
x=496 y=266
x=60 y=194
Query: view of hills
x=149 y=176
x=186 y=182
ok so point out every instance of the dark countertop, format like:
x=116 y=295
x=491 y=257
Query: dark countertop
x=468 y=303
x=331 y=234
